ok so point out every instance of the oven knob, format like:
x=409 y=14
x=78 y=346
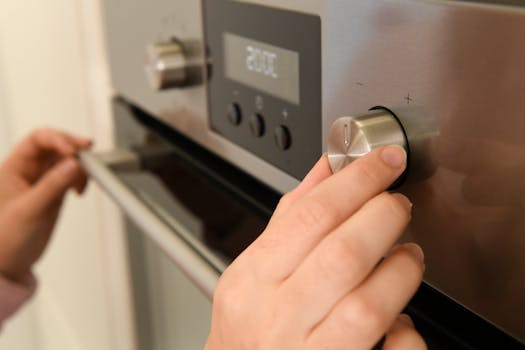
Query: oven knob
x=174 y=64
x=353 y=137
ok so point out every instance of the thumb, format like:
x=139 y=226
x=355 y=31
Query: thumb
x=51 y=188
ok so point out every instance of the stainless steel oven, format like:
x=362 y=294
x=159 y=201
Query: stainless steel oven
x=222 y=106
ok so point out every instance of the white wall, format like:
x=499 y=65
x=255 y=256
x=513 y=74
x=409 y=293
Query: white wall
x=5 y=130
x=53 y=73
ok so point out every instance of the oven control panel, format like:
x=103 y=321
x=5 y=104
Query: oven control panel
x=264 y=90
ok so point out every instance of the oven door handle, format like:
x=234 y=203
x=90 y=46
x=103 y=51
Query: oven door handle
x=101 y=169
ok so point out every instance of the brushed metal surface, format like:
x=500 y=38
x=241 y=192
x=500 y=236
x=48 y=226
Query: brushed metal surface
x=352 y=137
x=166 y=67
x=454 y=74
x=462 y=68
x=134 y=25
x=174 y=64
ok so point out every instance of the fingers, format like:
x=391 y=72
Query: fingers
x=31 y=216
x=81 y=183
x=402 y=335
x=53 y=140
x=344 y=258
x=52 y=187
x=65 y=144
x=27 y=156
x=320 y=171
x=364 y=315
x=293 y=235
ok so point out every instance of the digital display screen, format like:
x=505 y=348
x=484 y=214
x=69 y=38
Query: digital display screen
x=271 y=69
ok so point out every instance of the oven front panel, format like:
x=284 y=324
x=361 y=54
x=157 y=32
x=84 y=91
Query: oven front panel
x=265 y=83
x=453 y=73
x=135 y=25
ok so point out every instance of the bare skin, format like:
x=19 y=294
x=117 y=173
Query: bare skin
x=316 y=277
x=323 y=275
x=33 y=181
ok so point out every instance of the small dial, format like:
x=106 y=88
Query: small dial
x=352 y=137
x=173 y=64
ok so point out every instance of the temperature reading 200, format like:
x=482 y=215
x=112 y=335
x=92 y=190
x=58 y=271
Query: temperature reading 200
x=270 y=69
x=261 y=61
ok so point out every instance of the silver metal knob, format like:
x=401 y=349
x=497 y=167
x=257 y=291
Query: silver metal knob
x=353 y=137
x=174 y=64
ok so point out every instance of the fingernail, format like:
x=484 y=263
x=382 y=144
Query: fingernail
x=416 y=251
x=404 y=318
x=394 y=156
x=402 y=321
x=404 y=201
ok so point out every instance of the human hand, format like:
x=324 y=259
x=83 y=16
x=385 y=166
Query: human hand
x=315 y=278
x=33 y=181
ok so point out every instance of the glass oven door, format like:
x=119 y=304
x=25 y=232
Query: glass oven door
x=188 y=215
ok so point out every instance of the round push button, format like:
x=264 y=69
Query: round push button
x=257 y=126
x=234 y=114
x=282 y=137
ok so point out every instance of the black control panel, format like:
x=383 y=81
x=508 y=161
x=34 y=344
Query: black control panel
x=264 y=92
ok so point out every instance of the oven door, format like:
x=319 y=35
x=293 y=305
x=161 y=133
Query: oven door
x=190 y=213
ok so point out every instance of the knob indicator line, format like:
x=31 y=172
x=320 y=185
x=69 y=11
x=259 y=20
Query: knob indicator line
x=352 y=137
